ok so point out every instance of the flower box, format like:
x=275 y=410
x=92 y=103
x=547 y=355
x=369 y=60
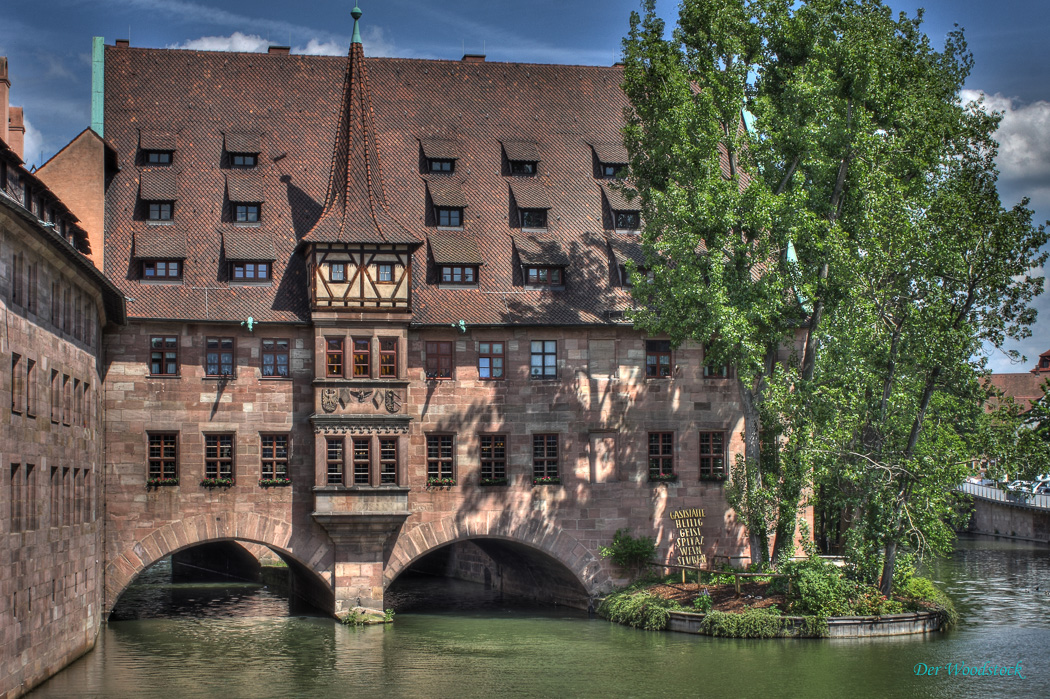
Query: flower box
x=441 y=482
x=274 y=482
x=161 y=482
x=663 y=477
x=547 y=480
x=494 y=481
x=216 y=482
x=717 y=477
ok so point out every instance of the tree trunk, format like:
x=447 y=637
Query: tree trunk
x=757 y=535
x=889 y=565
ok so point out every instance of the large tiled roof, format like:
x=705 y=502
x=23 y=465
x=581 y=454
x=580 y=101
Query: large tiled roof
x=469 y=111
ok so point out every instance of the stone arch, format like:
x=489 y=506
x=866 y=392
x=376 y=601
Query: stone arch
x=272 y=532
x=537 y=533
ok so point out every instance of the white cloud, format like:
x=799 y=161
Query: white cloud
x=243 y=43
x=33 y=144
x=1024 y=143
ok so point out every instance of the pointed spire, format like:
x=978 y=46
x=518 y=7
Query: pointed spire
x=356 y=14
x=355 y=207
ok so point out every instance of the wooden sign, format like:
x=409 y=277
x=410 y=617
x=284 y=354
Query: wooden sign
x=689 y=537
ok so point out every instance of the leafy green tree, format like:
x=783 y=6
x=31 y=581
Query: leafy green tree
x=755 y=237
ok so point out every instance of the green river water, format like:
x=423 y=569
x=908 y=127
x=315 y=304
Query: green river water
x=455 y=640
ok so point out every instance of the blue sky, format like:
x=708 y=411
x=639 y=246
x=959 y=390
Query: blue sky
x=48 y=44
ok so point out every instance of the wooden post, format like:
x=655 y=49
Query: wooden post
x=736 y=583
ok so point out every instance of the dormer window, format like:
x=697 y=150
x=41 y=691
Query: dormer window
x=543 y=276
x=159 y=157
x=523 y=167
x=166 y=270
x=449 y=217
x=385 y=273
x=244 y=159
x=533 y=218
x=160 y=210
x=613 y=171
x=443 y=166
x=246 y=213
x=250 y=271
x=627 y=220
x=459 y=274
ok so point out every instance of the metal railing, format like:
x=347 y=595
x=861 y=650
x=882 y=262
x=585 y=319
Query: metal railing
x=1007 y=496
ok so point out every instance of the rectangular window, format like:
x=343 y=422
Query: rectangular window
x=439 y=360
x=334 y=356
x=716 y=371
x=613 y=170
x=32 y=499
x=490 y=360
x=275 y=358
x=158 y=157
x=712 y=455
x=274 y=455
x=657 y=359
x=440 y=461
x=388 y=357
x=493 y=456
x=522 y=167
x=627 y=220
x=31 y=388
x=250 y=271
x=18 y=385
x=533 y=218
x=544 y=359
x=31 y=291
x=362 y=357
x=246 y=213
x=243 y=159
x=218 y=456
x=334 y=460
x=162 y=269
x=337 y=271
x=56 y=496
x=362 y=460
x=456 y=274
x=16 y=498
x=17 y=291
x=88 y=404
x=56 y=398
x=442 y=165
x=544 y=456
x=385 y=273
x=449 y=218
x=164 y=355
x=77 y=396
x=160 y=211
x=218 y=356
x=163 y=455
x=661 y=454
x=388 y=460
x=67 y=400
x=543 y=276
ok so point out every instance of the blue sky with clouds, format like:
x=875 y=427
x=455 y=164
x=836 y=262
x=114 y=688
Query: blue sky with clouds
x=48 y=44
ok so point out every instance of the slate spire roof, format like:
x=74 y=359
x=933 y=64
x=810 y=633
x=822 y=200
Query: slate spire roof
x=355 y=209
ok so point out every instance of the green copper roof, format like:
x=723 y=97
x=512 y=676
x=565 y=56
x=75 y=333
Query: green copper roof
x=98 y=84
x=356 y=14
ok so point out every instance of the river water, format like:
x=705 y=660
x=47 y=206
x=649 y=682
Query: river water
x=453 y=639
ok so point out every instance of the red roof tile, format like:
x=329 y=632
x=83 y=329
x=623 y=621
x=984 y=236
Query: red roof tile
x=440 y=148
x=451 y=249
x=527 y=151
x=244 y=187
x=158 y=185
x=610 y=153
x=618 y=201
x=243 y=142
x=160 y=243
x=540 y=250
x=156 y=140
x=446 y=191
x=248 y=244
x=529 y=193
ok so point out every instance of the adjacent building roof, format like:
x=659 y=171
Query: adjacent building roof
x=345 y=165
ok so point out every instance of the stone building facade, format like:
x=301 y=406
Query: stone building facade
x=55 y=306
x=399 y=286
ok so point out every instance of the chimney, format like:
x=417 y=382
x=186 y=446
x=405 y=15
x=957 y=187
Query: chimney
x=122 y=43
x=5 y=95
x=16 y=132
x=279 y=50
x=473 y=58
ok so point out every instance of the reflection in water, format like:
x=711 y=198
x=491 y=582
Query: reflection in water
x=463 y=642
